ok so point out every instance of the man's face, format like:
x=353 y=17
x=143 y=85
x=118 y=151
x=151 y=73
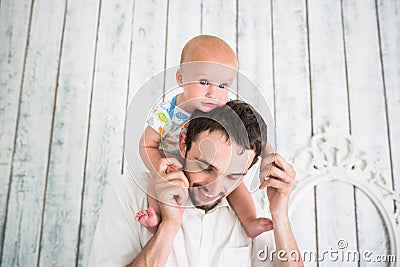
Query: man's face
x=214 y=168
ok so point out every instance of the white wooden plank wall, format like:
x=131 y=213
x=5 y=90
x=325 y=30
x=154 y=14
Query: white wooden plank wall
x=62 y=212
x=336 y=218
x=68 y=69
x=367 y=111
x=293 y=100
x=30 y=160
x=106 y=119
x=148 y=43
x=13 y=32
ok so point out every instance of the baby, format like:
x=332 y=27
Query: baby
x=208 y=67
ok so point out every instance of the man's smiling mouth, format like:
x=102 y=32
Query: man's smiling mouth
x=206 y=196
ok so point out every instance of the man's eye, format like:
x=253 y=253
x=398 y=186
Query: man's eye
x=233 y=177
x=203 y=82
x=203 y=167
x=207 y=168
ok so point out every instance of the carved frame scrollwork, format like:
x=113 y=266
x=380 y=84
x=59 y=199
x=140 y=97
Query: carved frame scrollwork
x=333 y=156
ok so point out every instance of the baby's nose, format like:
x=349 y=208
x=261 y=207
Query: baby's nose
x=212 y=90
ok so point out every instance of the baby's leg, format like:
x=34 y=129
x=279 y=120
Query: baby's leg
x=242 y=202
x=150 y=218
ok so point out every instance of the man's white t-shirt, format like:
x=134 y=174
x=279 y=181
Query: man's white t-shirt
x=213 y=239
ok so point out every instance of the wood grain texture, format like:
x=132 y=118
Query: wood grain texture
x=30 y=163
x=255 y=76
x=184 y=23
x=147 y=61
x=61 y=220
x=327 y=65
x=255 y=48
x=255 y=56
x=104 y=152
x=219 y=18
x=335 y=215
x=293 y=103
x=14 y=28
x=367 y=109
x=148 y=43
x=389 y=26
x=292 y=95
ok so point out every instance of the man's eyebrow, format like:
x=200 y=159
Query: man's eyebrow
x=209 y=165
x=206 y=162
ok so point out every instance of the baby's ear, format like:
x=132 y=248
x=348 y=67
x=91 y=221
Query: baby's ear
x=182 y=144
x=179 y=76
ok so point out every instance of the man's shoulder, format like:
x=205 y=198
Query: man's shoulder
x=130 y=193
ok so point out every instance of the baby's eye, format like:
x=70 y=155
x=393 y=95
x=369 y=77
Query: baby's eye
x=203 y=82
x=222 y=85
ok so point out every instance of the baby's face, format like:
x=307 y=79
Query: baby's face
x=206 y=84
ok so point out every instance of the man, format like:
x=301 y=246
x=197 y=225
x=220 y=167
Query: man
x=218 y=149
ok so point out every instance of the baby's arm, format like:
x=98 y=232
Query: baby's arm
x=148 y=148
x=151 y=156
x=242 y=202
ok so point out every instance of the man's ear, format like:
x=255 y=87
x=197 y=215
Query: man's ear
x=254 y=162
x=179 y=76
x=182 y=145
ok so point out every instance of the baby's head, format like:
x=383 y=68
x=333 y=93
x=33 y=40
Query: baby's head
x=208 y=67
x=208 y=48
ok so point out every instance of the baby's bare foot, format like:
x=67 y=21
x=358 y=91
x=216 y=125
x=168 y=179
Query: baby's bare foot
x=256 y=226
x=149 y=219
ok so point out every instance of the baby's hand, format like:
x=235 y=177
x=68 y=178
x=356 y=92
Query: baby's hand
x=174 y=162
x=172 y=168
x=265 y=166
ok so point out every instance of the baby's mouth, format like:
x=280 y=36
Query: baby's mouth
x=209 y=104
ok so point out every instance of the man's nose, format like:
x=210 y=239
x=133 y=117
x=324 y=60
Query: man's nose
x=215 y=183
x=211 y=178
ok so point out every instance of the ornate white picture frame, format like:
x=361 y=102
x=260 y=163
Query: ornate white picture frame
x=332 y=156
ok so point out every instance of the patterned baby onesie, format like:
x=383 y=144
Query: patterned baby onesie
x=169 y=121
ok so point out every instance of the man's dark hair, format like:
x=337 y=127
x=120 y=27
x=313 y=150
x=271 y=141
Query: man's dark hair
x=238 y=121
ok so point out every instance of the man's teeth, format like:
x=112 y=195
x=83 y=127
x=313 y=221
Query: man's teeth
x=206 y=194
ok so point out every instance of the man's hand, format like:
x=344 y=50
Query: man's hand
x=171 y=189
x=279 y=181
